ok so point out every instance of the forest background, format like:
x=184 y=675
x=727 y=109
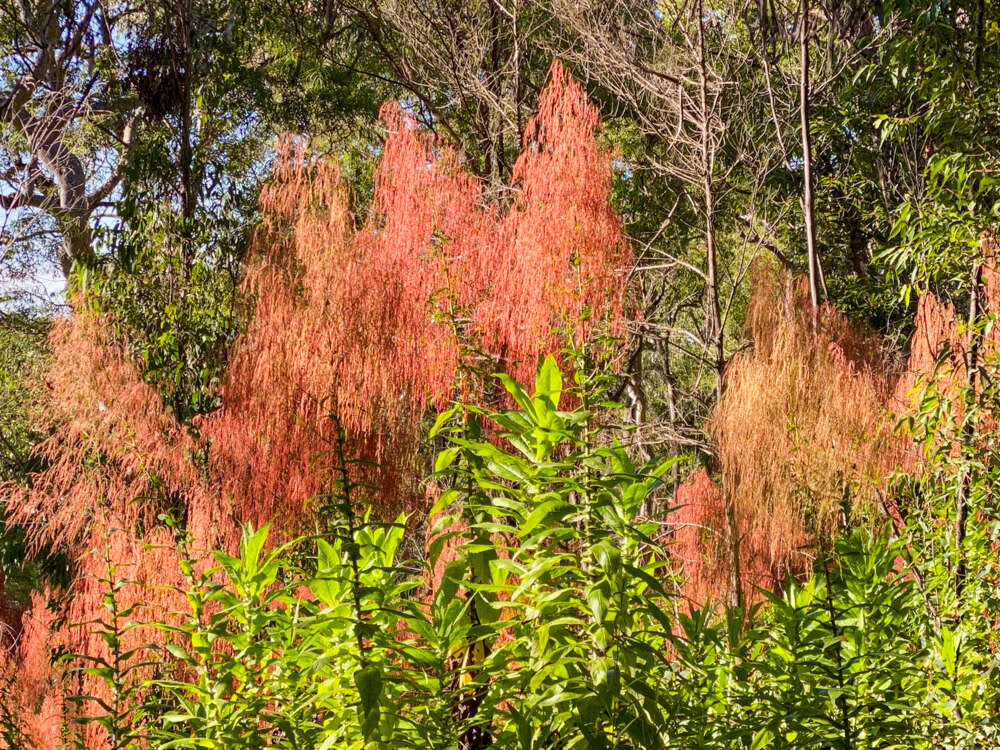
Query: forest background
x=272 y=471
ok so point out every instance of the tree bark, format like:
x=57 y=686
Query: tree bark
x=61 y=189
x=971 y=372
x=714 y=318
x=807 y=185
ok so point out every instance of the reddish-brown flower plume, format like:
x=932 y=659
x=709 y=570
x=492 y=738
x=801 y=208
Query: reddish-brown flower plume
x=376 y=325
x=804 y=436
x=29 y=683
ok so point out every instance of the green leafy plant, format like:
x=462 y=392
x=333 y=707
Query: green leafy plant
x=546 y=616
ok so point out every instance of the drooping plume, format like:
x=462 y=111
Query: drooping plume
x=804 y=440
x=114 y=450
x=376 y=325
x=30 y=690
x=557 y=267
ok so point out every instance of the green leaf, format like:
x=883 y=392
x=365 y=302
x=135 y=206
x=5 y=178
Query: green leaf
x=369 y=684
x=441 y=421
x=763 y=738
x=549 y=383
x=518 y=393
x=543 y=511
x=252 y=544
x=445 y=459
x=598 y=604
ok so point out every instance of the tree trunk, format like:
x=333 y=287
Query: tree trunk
x=971 y=371
x=807 y=185
x=714 y=337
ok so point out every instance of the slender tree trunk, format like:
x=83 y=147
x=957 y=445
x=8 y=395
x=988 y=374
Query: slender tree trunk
x=715 y=333
x=187 y=190
x=977 y=55
x=672 y=411
x=971 y=372
x=714 y=313
x=807 y=183
x=635 y=399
